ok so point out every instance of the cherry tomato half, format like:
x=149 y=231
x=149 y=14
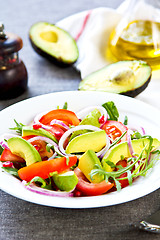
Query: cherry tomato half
x=115 y=129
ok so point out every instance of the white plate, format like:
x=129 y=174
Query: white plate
x=137 y=112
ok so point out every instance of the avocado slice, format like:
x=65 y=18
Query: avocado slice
x=65 y=181
x=125 y=77
x=24 y=149
x=53 y=43
x=29 y=130
x=122 y=149
x=91 y=140
x=91 y=119
x=87 y=163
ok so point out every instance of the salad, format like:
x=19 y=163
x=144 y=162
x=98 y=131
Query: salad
x=87 y=153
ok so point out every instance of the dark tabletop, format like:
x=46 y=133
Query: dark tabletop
x=24 y=220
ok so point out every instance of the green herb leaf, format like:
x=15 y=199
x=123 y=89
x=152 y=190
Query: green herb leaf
x=156 y=151
x=1 y=149
x=129 y=176
x=118 y=185
x=117 y=140
x=65 y=106
x=141 y=170
x=67 y=160
x=42 y=182
x=49 y=147
x=111 y=164
x=12 y=171
x=125 y=120
x=111 y=110
x=18 y=127
x=136 y=135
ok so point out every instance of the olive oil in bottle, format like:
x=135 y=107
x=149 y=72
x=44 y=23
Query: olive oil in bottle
x=137 y=36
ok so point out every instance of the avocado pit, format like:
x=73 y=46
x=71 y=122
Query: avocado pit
x=49 y=36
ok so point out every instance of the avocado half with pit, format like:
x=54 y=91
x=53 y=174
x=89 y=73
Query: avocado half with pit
x=124 y=77
x=53 y=43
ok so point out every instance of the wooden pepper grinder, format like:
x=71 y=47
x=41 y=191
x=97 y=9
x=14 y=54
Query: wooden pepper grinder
x=13 y=73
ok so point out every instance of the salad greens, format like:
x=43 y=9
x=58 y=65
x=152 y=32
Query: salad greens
x=80 y=167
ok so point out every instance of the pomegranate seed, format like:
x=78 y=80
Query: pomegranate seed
x=77 y=193
x=37 y=147
x=101 y=119
x=36 y=126
x=58 y=135
x=7 y=164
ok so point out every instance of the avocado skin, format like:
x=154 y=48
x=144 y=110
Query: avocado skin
x=133 y=93
x=57 y=61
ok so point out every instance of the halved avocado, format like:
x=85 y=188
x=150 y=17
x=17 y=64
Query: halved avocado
x=125 y=77
x=53 y=43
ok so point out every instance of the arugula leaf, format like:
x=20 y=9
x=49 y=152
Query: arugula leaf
x=125 y=120
x=111 y=164
x=18 y=127
x=65 y=106
x=111 y=110
x=12 y=171
x=156 y=151
x=49 y=147
x=1 y=149
x=136 y=135
x=117 y=140
x=42 y=182
x=67 y=160
x=118 y=185
x=144 y=164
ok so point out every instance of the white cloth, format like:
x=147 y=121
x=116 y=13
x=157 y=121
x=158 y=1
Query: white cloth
x=92 y=43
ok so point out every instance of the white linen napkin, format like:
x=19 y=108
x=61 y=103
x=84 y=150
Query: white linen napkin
x=94 y=28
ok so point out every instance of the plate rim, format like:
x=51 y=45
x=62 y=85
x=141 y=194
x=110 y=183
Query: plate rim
x=76 y=204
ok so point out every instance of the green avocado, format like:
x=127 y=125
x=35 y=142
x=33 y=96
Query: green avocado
x=24 y=149
x=53 y=43
x=91 y=119
x=65 y=181
x=125 y=77
x=91 y=140
x=115 y=153
x=29 y=130
x=87 y=163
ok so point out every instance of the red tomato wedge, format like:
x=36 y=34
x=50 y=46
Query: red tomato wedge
x=115 y=129
x=60 y=114
x=44 y=168
x=7 y=155
x=91 y=189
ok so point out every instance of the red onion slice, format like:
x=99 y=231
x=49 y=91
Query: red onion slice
x=46 y=192
x=82 y=113
x=6 y=136
x=45 y=139
x=137 y=128
x=59 y=123
x=130 y=145
x=105 y=149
